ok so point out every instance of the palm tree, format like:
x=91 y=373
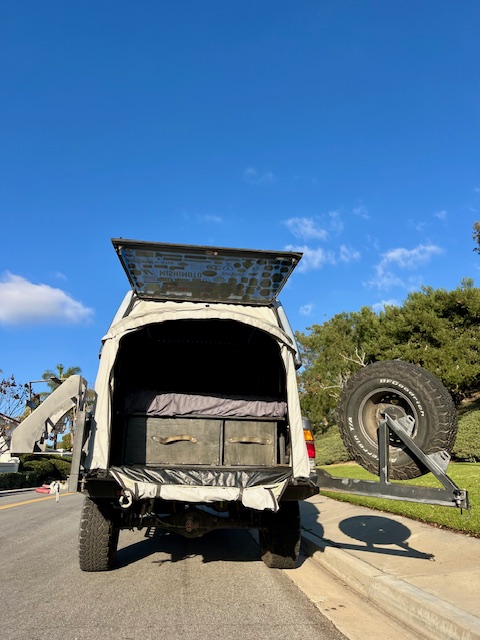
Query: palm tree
x=54 y=379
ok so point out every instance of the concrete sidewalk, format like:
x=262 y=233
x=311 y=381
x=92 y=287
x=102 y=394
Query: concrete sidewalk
x=426 y=578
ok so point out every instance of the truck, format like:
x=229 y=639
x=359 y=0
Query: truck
x=196 y=422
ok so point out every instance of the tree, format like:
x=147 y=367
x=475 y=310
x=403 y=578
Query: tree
x=434 y=328
x=54 y=379
x=438 y=330
x=476 y=235
x=13 y=395
x=67 y=441
x=12 y=405
x=331 y=353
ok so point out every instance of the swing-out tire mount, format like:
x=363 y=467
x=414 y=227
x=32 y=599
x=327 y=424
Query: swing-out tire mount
x=407 y=393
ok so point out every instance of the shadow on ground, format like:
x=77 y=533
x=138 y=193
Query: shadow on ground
x=232 y=546
x=378 y=534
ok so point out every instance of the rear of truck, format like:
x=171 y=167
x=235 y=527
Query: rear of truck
x=197 y=422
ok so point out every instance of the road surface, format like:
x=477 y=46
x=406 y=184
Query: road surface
x=165 y=586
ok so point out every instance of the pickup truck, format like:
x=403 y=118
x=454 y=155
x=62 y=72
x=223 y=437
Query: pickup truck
x=196 y=423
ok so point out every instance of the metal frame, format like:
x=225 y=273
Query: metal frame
x=450 y=496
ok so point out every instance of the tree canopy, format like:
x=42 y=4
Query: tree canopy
x=12 y=397
x=55 y=378
x=434 y=328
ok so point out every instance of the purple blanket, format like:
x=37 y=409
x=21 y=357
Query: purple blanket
x=185 y=404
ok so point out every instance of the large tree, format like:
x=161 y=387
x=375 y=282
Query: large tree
x=331 y=353
x=438 y=330
x=434 y=328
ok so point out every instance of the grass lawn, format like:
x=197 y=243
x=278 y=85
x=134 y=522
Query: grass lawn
x=466 y=476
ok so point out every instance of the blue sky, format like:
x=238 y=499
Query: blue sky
x=348 y=130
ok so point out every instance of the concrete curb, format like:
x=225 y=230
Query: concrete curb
x=422 y=612
x=8 y=491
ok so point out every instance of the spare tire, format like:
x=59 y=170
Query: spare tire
x=404 y=389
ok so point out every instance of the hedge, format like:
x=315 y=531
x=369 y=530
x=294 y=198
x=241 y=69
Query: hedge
x=47 y=468
x=36 y=470
x=329 y=448
x=467 y=444
x=18 y=480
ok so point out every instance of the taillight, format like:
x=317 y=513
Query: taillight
x=310 y=442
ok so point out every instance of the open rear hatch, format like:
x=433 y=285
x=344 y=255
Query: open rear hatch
x=159 y=271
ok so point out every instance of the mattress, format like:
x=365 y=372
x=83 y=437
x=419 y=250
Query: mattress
x=151 y=403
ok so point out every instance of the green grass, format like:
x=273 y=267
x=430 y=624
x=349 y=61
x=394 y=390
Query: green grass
x=466 y=476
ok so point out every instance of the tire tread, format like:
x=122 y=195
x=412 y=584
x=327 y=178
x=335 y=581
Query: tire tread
x=98 y=538
x=434 y=395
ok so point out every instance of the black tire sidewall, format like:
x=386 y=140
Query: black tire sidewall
x=424 y=394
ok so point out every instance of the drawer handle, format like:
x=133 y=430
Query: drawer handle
x=247 y=440
x=170 y=439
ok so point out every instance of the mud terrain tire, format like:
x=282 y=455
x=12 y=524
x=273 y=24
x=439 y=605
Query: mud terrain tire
x=98 y=539
x=280 y=537
x=407 y=390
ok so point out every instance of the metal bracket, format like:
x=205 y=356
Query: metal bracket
x=450 y=496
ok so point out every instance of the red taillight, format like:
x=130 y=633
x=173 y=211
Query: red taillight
x=311 y=449
x=310 y=444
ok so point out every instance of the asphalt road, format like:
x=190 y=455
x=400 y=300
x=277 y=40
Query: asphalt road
x=164 y=587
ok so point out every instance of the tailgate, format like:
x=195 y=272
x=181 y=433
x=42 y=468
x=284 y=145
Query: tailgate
x=204 y=274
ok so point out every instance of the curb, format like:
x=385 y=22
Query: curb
x=7 y=491
x=422 y=612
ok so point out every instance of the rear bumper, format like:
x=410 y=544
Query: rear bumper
x=259 y=488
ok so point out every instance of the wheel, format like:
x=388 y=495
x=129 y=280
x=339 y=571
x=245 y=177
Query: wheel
x=404 y=389
x=98 y=539
x=280 y=537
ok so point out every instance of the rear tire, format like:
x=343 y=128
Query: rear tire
x=98 y=539
x=280 y=537
x=402 y=389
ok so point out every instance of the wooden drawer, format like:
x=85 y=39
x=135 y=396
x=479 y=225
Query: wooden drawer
x=250 y=443
x=172 y=441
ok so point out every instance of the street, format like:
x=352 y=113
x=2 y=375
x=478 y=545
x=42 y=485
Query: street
x=164 y=586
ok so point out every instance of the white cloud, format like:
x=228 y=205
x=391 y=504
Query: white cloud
x=410 y=258
x=210 y=219
x=252 y=176
x=380 y=306
x=305 y=229
x=347 y=254
x=441 y=215
x=336 y=222
x=385 y=279
x=22 y=302
x=361 y=212
x=312 y=258
x=306 y=309
x=401 y=258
